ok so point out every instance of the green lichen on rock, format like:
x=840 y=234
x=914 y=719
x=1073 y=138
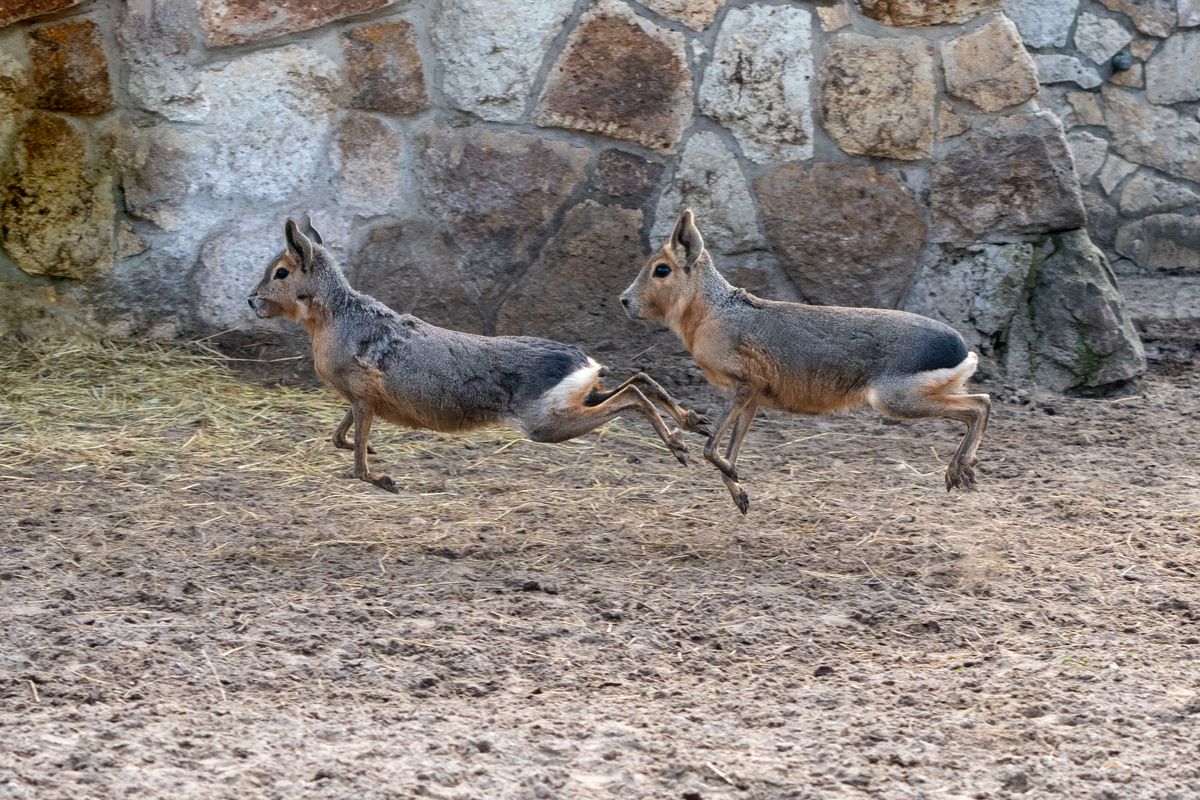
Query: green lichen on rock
x=1081 y=335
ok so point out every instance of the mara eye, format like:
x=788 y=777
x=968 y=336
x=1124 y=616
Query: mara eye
x=661 y=270
x=281 y=273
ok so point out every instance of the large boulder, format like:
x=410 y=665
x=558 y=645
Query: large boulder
x=977 y=290
x=845 y=234
x=1077 y=333
x=1148 y=193
x=877 y=95
x=696 y=14
x=1165 y=310
x=490 y=51
x=572 y=289
x=498 y=193
x=620 y=76
x=57 y=214
x=1014 y=176
x=624 y=178
x=757 y=83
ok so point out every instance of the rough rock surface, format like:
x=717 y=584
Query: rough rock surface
x=1080 y=334
x=384 y=67
x=1131 y=77
x=908 y=13
x=833 y=18
x=1148 y=193
x=157 y=48
x=1043 y=23
x=1114 y=171
x=365 y=158
x=411 y=267
x=230 y=264
x=1055 y=68
x=273 y=105
x=950 y=124
x=69 y=68
x=1154 y=136
x=757 y=84
x=620 y=76
x=845 y=234
x=696 y=14
x=709 y=180
x=18 y=10
x=228 y=22
x=1099 y=38
x=990 y=67
x=624 y=178
x=1088 y=152
x=1085 y=108
x=1155 y=17
x=500 y=192
x=1012 y=176
x=1173 y=74
x=57 y=214
x=977 y=291
x=1162 y=242
x=490 y=51
x=1189 y=13
x=877 y=95
x=163 y=169
x=1165 y=310
x=574 y=286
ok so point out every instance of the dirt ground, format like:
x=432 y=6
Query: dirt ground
x=197 y=601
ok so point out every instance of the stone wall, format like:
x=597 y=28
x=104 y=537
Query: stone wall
x=504 y=166
x=1124 y=78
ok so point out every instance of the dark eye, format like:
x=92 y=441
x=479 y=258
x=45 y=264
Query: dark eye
x=661 y=270
x=281 y=273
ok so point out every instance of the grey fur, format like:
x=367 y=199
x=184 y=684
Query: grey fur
x=804 y=359
x=414 y=373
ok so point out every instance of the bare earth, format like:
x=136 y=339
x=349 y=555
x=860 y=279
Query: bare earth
x=593 y=620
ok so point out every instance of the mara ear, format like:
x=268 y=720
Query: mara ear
x=313 y=233
x=299 y=244
x=687 y=237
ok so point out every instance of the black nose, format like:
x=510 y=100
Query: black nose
x=625 y=302
x=250 y=301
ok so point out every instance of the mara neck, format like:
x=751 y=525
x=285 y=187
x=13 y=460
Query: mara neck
x=711 y=292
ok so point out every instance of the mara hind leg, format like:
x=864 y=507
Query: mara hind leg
x=740 y=428
x=919 y=397
x=577 y=416
x=362 y=430
x=688 y=419
x=742 y=399
x=339 y=435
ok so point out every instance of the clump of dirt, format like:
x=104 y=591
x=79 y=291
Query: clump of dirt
x=198 y=600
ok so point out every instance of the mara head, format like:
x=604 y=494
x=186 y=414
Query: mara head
x=290 y=278
x=670 y=277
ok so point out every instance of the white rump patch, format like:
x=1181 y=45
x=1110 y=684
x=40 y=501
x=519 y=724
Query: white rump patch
x=951 y=379
x=564 y=391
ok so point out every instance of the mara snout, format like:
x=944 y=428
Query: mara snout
x=407 y=371
x=804 y=359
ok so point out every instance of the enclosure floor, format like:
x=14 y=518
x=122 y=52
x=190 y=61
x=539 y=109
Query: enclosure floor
x=196 y=609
